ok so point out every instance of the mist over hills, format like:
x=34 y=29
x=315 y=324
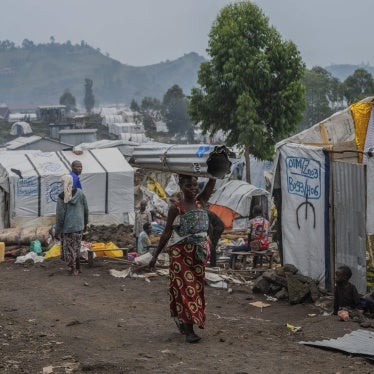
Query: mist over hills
x=39 y=74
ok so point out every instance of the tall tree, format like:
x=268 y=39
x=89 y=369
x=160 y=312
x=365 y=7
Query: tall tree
x=251 y=88
x=358 y=86
x=322 y=96
x=175 y=112
x=134 y=106
x=150 y=103
x=89 y=98
x=68 y=100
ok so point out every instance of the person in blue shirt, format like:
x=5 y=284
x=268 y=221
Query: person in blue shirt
x=76 y=170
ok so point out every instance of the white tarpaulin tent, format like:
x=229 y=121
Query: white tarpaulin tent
x=237 y=195
x=20 y=128
x=30 y=184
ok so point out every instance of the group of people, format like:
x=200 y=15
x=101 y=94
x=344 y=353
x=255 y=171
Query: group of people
x=190 y=238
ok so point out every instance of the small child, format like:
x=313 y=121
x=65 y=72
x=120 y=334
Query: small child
x=143 y=240
x=141 y=217
x=346 y=294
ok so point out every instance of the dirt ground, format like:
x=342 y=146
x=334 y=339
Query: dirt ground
x=51 y=322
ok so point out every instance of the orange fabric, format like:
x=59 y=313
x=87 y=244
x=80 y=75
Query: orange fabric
x=361 y=115
x=226 y=214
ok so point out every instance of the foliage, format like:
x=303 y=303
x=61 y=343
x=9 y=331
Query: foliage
x=358 y=86
x=89 y=98
x=134 y=106
x=175 y=113
x=251 y=88
x=68 y=100
x=150 y=103
x=323 y=96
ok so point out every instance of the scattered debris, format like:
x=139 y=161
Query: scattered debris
x=293 y=328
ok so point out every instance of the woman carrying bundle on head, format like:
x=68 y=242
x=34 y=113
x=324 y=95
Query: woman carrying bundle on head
x=187 y=242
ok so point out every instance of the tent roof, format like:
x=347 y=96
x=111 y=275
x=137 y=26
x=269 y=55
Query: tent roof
x=338 y=128
x=237 y=195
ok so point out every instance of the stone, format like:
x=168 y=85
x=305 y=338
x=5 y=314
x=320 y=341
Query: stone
x=314 y=291
x=261 y=285
x=282 y=294
x=289 y=268
x=297 y=291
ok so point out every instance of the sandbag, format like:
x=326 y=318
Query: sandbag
x=26 y=235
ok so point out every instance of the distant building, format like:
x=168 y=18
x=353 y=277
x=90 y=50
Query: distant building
x=52 y=113
x=36 y=143
x=78 y=136
x=4 y=112
x=55 y=128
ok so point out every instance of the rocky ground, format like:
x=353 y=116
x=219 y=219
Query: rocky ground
x=51 y=322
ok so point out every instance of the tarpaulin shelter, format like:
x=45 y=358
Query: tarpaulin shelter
x=323 y=196
x=234 y=199
x=20 y=128
x=30 y=184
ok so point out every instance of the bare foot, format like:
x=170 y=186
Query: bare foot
x=75 y=272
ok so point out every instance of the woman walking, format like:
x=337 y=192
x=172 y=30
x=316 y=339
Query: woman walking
x=187 y=242
x=71 y=220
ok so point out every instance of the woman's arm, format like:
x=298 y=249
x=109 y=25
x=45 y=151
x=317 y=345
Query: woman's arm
x=204 y=195
x=172 y=213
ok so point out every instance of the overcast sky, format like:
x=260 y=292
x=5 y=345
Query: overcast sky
x=144 y=32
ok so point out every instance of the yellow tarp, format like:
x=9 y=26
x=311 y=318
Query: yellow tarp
x=55 y=251
x=361 y=115
x=155 y=187
x=106 y=249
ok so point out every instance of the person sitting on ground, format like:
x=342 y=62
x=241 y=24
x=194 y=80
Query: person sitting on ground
x=141 y=217
x=346 y=296
x=258 y=232
x=76 y=171
x=143 y=240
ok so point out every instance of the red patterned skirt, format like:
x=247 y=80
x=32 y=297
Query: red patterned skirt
x=186 y=290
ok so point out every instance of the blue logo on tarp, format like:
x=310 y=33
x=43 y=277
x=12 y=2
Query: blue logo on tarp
x=202 y=149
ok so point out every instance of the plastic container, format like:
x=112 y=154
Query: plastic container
x=2 y=251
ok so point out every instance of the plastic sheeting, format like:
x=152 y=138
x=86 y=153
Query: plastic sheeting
x=303 y=173
x=361 y=114
x=19 y=128
x=32 y=182
x=370 y=197
x=237 y=195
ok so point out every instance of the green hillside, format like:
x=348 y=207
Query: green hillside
x=39 y=74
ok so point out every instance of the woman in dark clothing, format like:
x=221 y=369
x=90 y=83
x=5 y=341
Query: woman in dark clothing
x=71 y=220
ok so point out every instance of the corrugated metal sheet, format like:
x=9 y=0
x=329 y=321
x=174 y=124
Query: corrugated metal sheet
x=357 y=342
x=349 y=191
x=205 y=160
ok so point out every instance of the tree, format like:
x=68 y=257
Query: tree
x=175 y=112
x=150 y=103
x=251 y=88
x=68 y=100
x=358 y=86
x=89 y=98
x=322 y=96
x=134 y=106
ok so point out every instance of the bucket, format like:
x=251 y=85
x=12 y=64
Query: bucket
x=2 y=251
